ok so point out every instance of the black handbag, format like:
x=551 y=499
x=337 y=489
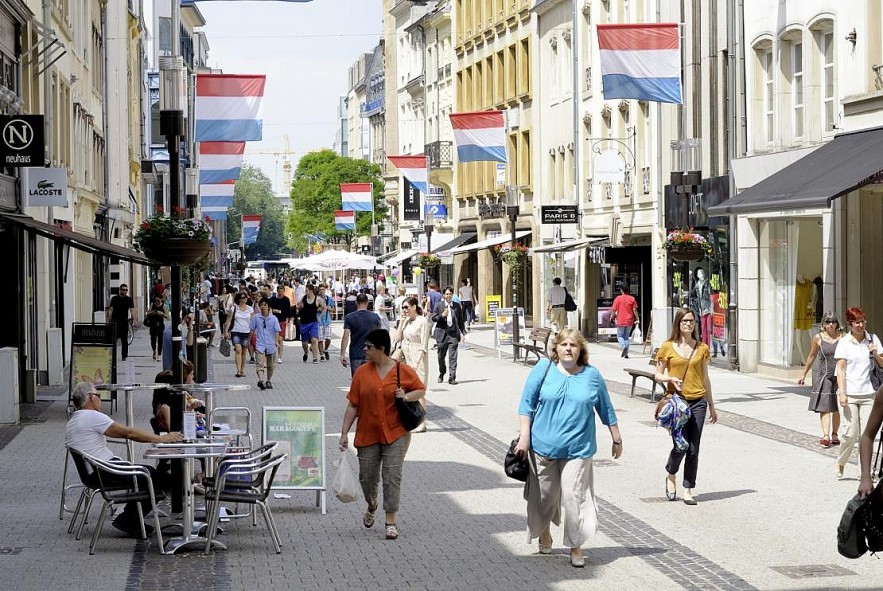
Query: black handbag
x=569 y=304
x=411 y=413
x=851 y=531
x=876 y=371
x=515 y=466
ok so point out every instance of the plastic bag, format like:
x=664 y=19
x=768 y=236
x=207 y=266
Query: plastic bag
x=637 y=336
x=345 y=485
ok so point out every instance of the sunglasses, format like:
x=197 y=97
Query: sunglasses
x=830 y=322
x=406 y=307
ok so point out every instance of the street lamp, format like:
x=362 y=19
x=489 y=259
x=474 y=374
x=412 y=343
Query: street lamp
x=512 y=210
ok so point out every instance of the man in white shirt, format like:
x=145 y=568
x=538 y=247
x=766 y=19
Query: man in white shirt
x=555 y=304
x=87 y=431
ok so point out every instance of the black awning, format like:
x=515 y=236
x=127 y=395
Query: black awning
x=849 y=161
x=78 y=241
x=458 y=241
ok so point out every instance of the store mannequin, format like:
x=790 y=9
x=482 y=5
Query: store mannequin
x=817 y=299
x=701 y=296
x=804 y=313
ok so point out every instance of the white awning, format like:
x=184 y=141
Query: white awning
x=569 y=245
x=400 y=258
x=491 y=241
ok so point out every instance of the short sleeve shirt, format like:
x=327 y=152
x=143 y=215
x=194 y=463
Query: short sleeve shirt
x=624 y=305
x=375 y=398
x=120 y=306
x=694 y=385
x=360 y=323
x=858 y=363
x=85 y=433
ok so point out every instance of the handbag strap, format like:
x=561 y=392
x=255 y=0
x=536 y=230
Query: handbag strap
x=687 y=368
x=398 y=376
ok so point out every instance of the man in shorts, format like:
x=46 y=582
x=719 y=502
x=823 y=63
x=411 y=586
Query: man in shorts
x=325 y=322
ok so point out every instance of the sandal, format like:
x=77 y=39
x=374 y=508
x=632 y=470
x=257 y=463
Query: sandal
x=834 y=439
x=368 y=517
x=670 y=495
x=825 y=442
x=392 y=531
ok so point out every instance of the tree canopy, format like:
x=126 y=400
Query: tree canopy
x=315 y=196
x=254 y=195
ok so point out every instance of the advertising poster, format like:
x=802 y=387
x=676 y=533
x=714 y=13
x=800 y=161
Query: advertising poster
x=605 y=324
x=491 y=304
x=503 y=326
x=93 y=356
x=300 y=432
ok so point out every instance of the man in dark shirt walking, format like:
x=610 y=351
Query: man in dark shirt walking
x=280 y=306
x=356 y=327
x=120 y=309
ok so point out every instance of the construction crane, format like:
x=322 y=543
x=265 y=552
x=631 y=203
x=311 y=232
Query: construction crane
x=286 y=166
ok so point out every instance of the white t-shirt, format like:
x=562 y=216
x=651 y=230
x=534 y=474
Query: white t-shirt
x=242 y=319
x=858 y=364
x=556 y=296
x=466 y=293
x=85 y=433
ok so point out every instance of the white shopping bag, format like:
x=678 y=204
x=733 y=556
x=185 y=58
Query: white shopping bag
x=637 y=336
x=345 y=485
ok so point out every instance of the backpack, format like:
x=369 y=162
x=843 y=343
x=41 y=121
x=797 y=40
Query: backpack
x=851 y=531
x=569 y=304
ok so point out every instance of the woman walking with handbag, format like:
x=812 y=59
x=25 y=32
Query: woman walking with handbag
x=557 y=435
x=682 y=364
x=412 y=337
x=858 y=356
x=381 y=439
x=823 y=399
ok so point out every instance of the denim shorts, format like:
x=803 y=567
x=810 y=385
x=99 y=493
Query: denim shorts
x=240 y=338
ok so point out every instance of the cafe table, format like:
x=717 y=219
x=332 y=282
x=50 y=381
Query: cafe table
x=130 y=415
x=188 y=452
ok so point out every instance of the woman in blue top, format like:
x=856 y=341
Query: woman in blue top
x=557 y=415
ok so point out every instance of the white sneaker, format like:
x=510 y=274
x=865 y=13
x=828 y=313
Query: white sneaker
x=279 y=361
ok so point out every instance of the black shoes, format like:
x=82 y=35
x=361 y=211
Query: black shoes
x=268 y=385
x=327 y=356
x=305 y=357
x=453 y=382
x=261 y=385
x=441 y=379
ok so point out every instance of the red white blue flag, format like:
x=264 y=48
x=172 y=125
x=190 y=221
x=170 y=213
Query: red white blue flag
x=220 y=161
x=344 y=220
x=641 y=61
x=480 y=137
x=251 y=225
x=228 y=107
x=357 y=196
x=413 y=168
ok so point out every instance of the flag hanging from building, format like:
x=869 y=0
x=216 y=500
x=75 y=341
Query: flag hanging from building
x=357 y=196
x=228 y=107
x=480 y=136
x=344 y=219
x=216 y=195
x=216 y=214
x=641 y=61
x=413 y=168
x=220 y=161
x=251 y=225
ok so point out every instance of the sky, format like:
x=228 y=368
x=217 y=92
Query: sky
x=305 y=50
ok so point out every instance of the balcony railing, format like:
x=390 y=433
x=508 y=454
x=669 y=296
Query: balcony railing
x=440 y=154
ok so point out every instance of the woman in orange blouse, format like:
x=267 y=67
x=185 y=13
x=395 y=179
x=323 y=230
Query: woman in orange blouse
x=682 y=364
x=381 y=440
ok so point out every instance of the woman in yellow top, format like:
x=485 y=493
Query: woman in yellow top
x=682 y=364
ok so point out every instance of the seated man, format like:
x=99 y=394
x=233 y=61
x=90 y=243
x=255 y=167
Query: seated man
x=86 y=432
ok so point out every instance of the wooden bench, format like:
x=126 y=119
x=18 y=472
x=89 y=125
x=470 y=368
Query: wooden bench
x=539 y=337
x=636 y=373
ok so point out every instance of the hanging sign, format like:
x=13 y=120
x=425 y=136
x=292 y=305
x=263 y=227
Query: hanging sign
x=22 y=141
x=410 y=201
x=559 y=214
x=609 y=167
x=45 y=187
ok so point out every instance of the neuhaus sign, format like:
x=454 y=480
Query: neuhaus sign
x=21 y=140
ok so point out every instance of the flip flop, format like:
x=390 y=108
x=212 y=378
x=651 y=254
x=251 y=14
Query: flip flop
x=368 y=517
x=671 y=496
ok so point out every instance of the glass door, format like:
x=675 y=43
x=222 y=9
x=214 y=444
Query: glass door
x=778 y=269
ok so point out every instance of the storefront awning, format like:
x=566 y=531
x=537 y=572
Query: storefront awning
x=571 y=245
x=401 y=257
x=385 y=257
x=847 y=162
x=452 y=244
x=491 y=242
x=78 y=241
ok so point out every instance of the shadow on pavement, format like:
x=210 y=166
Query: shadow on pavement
x=724 y=494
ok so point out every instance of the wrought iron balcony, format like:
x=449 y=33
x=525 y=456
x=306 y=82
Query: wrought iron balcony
x=440 y=154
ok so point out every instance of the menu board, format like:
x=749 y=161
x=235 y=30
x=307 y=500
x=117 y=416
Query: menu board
x=300 y=432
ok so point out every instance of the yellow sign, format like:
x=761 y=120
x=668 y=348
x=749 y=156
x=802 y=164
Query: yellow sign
x=491 y=303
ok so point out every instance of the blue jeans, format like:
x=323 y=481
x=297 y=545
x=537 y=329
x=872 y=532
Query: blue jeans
x=622 y=335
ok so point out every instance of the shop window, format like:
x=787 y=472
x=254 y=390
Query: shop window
x=829 y=106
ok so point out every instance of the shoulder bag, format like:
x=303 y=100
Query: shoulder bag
x=411 y=413
x=514 y=466
x=664 y=400
x=569 y=304
x=876 y=371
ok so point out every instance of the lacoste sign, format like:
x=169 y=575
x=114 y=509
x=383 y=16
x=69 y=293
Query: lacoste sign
x=45 y=187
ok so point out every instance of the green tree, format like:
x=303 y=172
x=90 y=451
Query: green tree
x=253 y=195
x=315 y=196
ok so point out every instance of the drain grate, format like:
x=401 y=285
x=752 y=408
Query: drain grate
x=812 y=571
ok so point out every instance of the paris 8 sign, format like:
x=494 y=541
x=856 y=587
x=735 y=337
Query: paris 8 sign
x=21 y=140
x=559 y=214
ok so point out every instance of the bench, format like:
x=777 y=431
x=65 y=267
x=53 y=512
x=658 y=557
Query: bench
x=636 y=373
x=539 y=337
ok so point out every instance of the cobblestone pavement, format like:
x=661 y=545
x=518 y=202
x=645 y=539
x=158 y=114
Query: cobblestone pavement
x=768 y=501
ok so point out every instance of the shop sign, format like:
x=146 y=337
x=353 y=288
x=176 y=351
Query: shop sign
x=45 y=187
x=410 y=201
x=21 y=140
x=559 y=214
x=491 y=210
x=436 y=208
x=609 y=167
x=501 y=174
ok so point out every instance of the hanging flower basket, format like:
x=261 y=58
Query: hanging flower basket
x=514 y=256
x=176 y=251
x=428 y=261
x=686 y=245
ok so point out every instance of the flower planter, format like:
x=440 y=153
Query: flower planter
x=686 y=252
x=177 y=251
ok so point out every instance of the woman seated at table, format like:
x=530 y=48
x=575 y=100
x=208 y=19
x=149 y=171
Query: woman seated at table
x=162 y=398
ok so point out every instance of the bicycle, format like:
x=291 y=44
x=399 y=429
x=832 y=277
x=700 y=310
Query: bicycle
x=130 y=338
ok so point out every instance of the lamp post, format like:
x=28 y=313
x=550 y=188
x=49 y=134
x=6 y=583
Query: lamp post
x=512 y=210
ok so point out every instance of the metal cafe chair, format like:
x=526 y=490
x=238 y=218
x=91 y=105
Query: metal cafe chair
x=246 y=457
x=261 y=474
x=88 y=486
x=115 y=492
x=233 y=422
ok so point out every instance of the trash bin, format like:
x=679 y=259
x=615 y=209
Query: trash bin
x=199 y=358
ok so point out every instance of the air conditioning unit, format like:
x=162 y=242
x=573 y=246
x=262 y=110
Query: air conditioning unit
x=9 y=394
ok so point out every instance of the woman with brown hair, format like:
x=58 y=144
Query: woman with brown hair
x=823 y=399
x=557 y=433
x=856 y=353
x=682 y=364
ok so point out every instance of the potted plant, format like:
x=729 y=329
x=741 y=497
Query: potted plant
x=513 y=255
x=174 y=239
x=687 y=245
x=428 y=261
